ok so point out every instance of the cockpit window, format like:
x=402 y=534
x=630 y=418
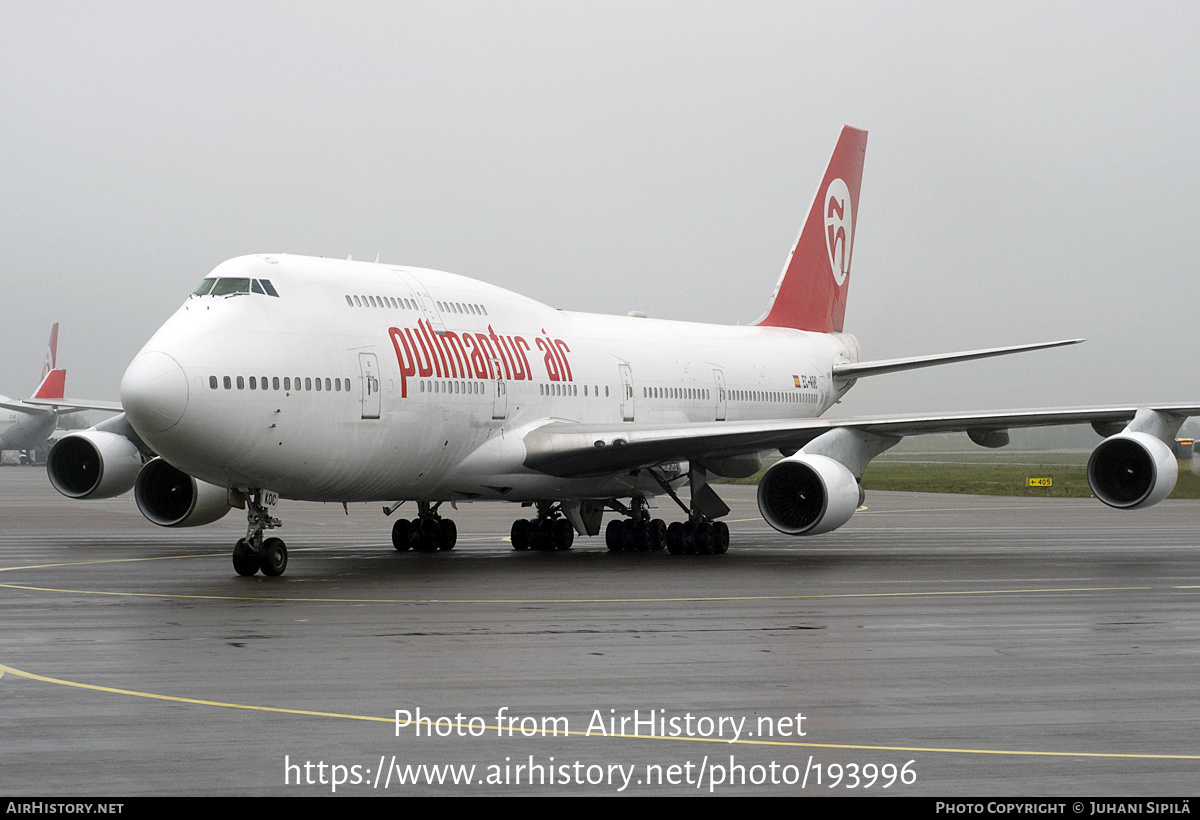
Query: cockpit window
x=226 y=286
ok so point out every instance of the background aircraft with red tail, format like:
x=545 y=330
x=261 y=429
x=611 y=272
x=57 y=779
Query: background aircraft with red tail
x=28 y=423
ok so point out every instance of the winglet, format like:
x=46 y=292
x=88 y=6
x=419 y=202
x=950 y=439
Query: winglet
x=811 y=293
x=52 y=385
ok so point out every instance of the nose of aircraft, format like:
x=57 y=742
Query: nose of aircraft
x=154 y=392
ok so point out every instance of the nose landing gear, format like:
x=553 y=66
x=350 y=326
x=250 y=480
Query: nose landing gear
x=252 y=553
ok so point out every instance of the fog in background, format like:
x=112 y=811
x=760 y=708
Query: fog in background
x=1032 y=171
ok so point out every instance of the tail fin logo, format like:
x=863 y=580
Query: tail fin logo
x=51 y=351
x=839 y=229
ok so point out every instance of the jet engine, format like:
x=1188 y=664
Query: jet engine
x=93 y=464
x=808 y=494
x=170 y=498
x=1131 y=470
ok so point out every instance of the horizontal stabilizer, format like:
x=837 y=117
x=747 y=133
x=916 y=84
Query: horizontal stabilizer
x=21 y=407
x=858 y=370
x=76 y=405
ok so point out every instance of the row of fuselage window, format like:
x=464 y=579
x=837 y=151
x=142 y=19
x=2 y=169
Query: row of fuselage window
x=786 y=397
x=476 y=388
x=402 y=303
x=275 y=383
x=702 y=394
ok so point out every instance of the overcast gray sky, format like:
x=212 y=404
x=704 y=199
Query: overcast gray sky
x=1032 y=173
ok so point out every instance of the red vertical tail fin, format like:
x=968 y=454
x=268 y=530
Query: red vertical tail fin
x=51 y=351
x=811 y=293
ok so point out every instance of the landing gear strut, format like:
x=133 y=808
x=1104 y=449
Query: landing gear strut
x=550 y=531
x=428 y=532
x=700 y=534
x=253 y=553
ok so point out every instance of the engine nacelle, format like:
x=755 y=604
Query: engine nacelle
x=1131 y=470
x=171 y=498
x=808 y=494
x=93 y=464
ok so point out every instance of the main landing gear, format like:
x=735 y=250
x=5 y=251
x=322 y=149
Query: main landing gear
x=641 y=533
x=556 y=523
x=428 y=532
x=253 y=552
x=701 y=534
x=550 y=531
x=698 y=537
x=637 y=533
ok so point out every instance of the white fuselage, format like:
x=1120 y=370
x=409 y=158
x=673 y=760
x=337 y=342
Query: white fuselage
x=362 y=381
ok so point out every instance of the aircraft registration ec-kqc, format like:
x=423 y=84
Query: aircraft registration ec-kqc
x=328 y=380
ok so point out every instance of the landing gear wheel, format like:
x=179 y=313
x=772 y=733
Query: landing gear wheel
x=658 y=534
x=689 y=538
x=273 y=557
x=401 y=535
x=449 y=534
x=428 y=534
x=521 y=534
x=564 y=534
x=614 y=535
x=720 y=537
x=704 y=538
x=675 y=538
x=543 y=535
x=639 y=536
x=244 y=561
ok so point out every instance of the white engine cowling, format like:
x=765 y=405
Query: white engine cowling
x=171 y=498
x=93 y=464
x=808 y=494
x=1131 y=470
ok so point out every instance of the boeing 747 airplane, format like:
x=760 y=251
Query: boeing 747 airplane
x=323 y=380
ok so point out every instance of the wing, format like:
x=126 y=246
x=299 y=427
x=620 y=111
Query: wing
x=816 y=487
x=569 y=450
